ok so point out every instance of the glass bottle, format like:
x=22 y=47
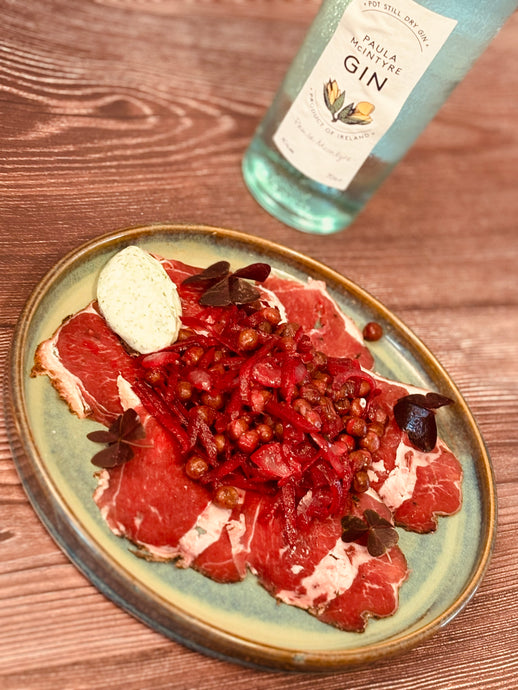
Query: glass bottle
x=368 y=78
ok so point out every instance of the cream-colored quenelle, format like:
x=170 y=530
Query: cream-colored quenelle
x=139 y=300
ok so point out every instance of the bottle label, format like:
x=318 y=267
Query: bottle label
x=359 y=85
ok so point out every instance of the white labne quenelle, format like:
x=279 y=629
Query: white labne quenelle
x=139 y=300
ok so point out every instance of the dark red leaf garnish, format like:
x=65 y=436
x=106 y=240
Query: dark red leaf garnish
x=209 y=276
x=354 y=528
x=222 y=288
x=257 y=271
x=217 y=295
x=102 y=436
x=430 y=401
x=113 y=455
x=242 y=292
x=122 y=434
x=380 y=533
x=415 y=414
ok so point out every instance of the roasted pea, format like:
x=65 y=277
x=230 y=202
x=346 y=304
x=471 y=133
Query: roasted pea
x=272 y=315
x=221 y=442
x=184 y=390
x=237 y=427
x=196 y=467
x=248 y=339
x=184 y=333
x=361 y=482
x=155 y=377
x=193 y=355
x=360 y=459
x=213 y=400
x=248 y=441
x=265 y=432
x=370 y=442
x=356 y=426
x=227 y=496
x=358 y=406
x=372 y=331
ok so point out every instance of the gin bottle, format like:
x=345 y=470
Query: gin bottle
x=368 y=78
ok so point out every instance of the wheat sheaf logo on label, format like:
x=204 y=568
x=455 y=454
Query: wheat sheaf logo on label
x=351 y=114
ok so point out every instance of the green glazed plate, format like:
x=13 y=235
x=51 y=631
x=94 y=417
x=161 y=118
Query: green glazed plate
x=238 y=622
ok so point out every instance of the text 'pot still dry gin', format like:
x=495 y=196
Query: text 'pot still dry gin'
x=368 y=78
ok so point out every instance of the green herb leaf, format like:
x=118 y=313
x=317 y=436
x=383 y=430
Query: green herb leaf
x=338 y=103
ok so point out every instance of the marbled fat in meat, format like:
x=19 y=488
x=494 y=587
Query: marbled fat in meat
x=329 y=329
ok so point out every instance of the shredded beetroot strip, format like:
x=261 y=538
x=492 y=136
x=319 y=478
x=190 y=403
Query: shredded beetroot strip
x=156 y=407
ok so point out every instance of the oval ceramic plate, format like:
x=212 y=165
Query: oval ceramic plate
x=239 y=622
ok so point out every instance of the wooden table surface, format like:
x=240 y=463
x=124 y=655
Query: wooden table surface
x=122 y=112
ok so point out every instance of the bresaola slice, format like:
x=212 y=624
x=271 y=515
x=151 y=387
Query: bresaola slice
x=152 y=502
x=418 y=487
x=329 y=329
x=351 y=609
x=340 y=583
x=327 y=577
x=436 y=489
x=83 y=360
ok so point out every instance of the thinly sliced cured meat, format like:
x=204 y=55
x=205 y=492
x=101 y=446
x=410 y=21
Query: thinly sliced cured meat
x=227 y=558
x=307 y=304
x=154 y=504
x=151 y=500
x=374 y=589
x=83 y=360
x=437 y=489
x=416 y=486
x=329 y=329
x=178 y=272
x=219 y=561
x=339 y=583
x=140 y=499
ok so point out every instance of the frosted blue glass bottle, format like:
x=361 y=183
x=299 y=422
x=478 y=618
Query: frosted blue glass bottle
x=368 y=78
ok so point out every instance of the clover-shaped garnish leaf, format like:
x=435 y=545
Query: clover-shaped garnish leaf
x=379 y=534
x=120 y=437
x=210 y=275
x=221 y=287
x=415 y=414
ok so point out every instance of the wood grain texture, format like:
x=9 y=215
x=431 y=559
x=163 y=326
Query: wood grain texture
x=121 y=112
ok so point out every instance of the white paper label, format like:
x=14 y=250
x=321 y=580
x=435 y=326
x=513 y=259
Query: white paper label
x=359 y=85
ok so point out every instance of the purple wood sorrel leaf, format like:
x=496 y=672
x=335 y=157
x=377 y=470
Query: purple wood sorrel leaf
x=372 y=530
x=221 y=287
x=120 y=437
x=415 y=414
